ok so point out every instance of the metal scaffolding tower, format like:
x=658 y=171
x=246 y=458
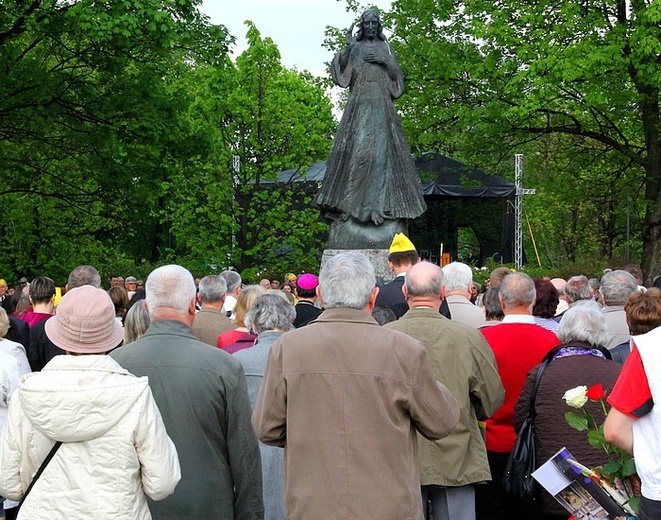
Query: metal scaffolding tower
x=518 y=210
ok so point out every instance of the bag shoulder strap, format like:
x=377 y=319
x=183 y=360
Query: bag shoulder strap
x=533 y=394
x=41 y=469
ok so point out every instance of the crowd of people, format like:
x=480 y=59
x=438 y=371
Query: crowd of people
x=320 y=396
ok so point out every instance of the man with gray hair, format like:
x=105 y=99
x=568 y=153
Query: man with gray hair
x=615 y=289
x=518 y=344
x=344 y=396
x=458 y=281
x=203 y=398
x=464 y=363
x=41 y=349
x=577 y=289
x=84 y=275
x=233 y=281
x=209 y=321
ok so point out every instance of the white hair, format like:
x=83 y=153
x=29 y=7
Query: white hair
x=170 y=286
x=4 y=323
x=617 y=286
x=212 y=289
x=457 y=277
x=233 y=280
x=347 y=280
x=271 y=312
x=584 y=321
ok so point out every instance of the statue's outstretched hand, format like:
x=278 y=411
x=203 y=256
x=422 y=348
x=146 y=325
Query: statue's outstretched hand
x=349 y=36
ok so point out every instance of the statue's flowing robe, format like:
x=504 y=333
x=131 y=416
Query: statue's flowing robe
x=370 y=168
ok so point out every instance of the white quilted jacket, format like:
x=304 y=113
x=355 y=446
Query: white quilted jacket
x=115 y=448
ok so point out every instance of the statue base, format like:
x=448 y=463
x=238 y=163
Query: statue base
x=351 y=234
x=378 y=258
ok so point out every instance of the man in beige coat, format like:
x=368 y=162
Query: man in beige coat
x=463 y=361
x=346 y=397
x=209 y=321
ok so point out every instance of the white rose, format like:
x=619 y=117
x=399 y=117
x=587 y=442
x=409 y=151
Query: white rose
x=576 y=397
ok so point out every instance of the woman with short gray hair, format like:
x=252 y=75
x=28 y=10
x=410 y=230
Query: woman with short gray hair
x=581 y=360
x=270 y=317
x=584 y=322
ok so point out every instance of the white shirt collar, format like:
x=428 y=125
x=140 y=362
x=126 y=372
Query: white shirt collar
x=519 y=318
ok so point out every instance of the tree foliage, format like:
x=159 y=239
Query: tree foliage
x=87 y=125
x=271 y=119
x=488 y=79
x=119 y=121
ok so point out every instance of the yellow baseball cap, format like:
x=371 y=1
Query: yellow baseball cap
x=401 y=244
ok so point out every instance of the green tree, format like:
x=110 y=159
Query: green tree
x=272 y=119
x=88 y=126
x=484 y=78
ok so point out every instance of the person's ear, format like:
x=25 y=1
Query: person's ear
x=372 y=300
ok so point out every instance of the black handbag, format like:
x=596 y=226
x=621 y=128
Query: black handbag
x=517 y=479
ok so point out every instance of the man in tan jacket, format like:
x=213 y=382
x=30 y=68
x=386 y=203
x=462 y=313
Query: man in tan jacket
x=346 y=397
x=209 y=321
x=463 y=361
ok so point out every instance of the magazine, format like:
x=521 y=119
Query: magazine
x=580 y=490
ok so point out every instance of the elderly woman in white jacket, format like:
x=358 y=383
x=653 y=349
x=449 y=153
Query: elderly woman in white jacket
x=115 y=450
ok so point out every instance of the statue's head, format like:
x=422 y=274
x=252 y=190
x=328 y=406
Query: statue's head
x=370 y=26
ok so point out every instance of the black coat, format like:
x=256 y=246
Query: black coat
x=41 y=349
x=391 y=296
x=305 y=313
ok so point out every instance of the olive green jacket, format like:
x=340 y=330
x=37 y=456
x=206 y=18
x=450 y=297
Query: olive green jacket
x=463 y=361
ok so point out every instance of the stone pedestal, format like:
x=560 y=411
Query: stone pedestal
x=363 y=236
x=378 y=257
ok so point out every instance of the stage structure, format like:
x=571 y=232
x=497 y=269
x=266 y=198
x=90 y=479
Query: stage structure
x=457 y=196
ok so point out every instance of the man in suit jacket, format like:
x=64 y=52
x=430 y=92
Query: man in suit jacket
x=402 y=255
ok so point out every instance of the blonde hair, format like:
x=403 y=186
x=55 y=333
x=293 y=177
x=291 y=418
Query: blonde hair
x=245 y=301
x=136 y=322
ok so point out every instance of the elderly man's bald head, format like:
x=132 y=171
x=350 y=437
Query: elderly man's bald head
x=424 y=279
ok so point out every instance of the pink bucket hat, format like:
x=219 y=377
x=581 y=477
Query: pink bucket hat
x=85 y=322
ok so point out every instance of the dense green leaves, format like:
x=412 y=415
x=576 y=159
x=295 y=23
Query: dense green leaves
x=119 y=122
x=271 y=119
x=490 y=79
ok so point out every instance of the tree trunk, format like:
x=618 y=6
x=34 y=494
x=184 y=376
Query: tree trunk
x=651 y=262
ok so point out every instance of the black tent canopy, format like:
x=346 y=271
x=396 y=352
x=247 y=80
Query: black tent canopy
x=457 y=196
x=455 y=179
x=451 y=178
